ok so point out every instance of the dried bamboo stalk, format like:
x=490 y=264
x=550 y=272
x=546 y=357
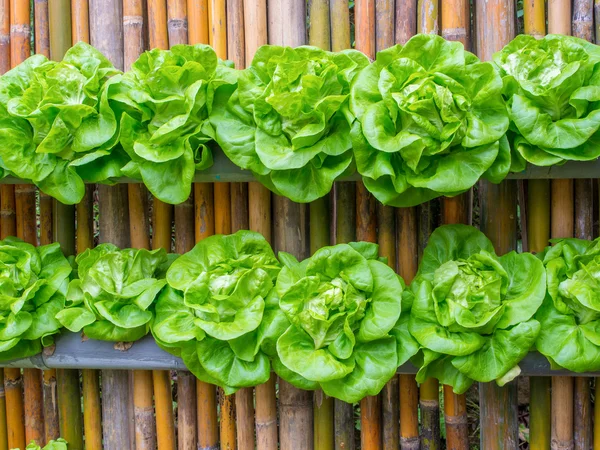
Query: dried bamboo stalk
x=69 y=407
x=106 y=34
x=13 y=387
x=208 y=431
x=406 y=20
x=145 y=431
x=80 y=25
x=3 y=412
x=427 y=17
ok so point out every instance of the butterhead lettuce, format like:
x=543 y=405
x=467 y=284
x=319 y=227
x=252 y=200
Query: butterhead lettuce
x=165 y=99
x=570 y=315
x=33 y=285
x=57 y=128
x=219 y=312
x=287 y=118
x=472 y=311
x=431 y=122
x=111 y=298
x=552 y=89
x=342 y=304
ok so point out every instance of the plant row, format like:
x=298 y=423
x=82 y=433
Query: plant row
x=423 y=120
x=341 y=320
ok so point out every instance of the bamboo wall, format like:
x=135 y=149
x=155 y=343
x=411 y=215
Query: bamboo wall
x=116 y=409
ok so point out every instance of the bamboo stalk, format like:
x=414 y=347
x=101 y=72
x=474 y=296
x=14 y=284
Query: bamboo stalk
x=406 y=240
x=42 y=46
x=92 y=416
x=340 y=25
x=106 y=34
x=499 y=425
x=206 y=401
x=217 y=16
x=3 y=412
x=370 y=409
x=161 y=238
x=559 y=21
x=69 y=407
x=597 y=20
x=323 y=406
x=13 y=387
x=345 y=214
x=259 y=219
x=145 y=433
x=406 y=20
x=428 y=19
x=20 y=33
x=187 y=435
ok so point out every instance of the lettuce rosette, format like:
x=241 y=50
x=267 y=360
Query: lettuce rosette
x=111 y=298
x=431 y=122
x=472 y=311
x=570 y=315
x=165 y=99
x=57 y=129
x=33 y=285
x=219 y=313
x=342 y=305
x=552 y=89
x=287 y=119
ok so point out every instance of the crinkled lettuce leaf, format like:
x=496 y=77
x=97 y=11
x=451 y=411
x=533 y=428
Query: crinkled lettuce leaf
x=286 y=118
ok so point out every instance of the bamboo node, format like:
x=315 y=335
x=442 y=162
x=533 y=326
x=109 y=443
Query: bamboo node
x=24 y=188
x=4 y=39
x=454 y=34
x=11 y=383
x=7 y=212
x=133 y=21
x=561 y=445
x=177 y=24
x=410 y=443
x=429 y=403
x=23 y=30
x=456 y=420
x=265 y=424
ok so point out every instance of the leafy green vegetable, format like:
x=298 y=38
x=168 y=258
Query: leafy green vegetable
x=552 y=88
x=59 y=444
x=56 y=126
x=219 y=313
x=570 y=315
x=111 y=298
x=472 y=310
x=342 y=304
x=33 y=285
x=166 y=98
x=431 y=122
x=287 y=118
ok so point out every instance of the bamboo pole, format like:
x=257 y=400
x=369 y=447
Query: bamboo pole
x=161 y=238
x=217 y=16
x=538 y=233
x=290 y=230
x=319 y=35
x=406 y=240
x=106 y=34
x=499 y=425
x=42 y=46
x=68 y=392
x=92 y=420
x=20 y=33
x=187 y=435
x=7 y=225
x=259 y=219
x=236 y=47
x=455 y=15
x=340 y=25
x=370 y=407
x=562 y=216
x=583 y=27
x=13 y=387
x=428 y=22
x=390 y=410
x=206 y=401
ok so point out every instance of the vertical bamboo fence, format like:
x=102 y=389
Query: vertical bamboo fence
x=144 y=409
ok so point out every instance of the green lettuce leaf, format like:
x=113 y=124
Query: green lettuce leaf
x=342 y=305
x=57 y=128
x=552 y=89
x=473 y=312
x=431 y=122
x=286 y=118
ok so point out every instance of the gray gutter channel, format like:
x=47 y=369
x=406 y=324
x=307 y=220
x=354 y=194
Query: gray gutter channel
x=71 y=352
